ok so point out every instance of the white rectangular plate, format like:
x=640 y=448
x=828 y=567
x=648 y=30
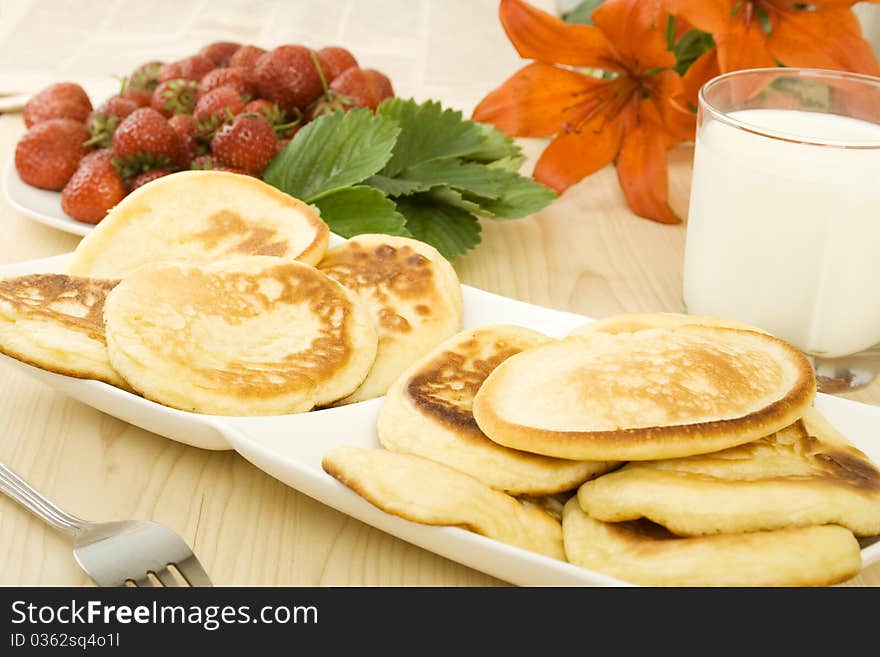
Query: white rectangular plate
x=290 y=447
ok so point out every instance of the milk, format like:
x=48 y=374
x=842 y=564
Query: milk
x=786 y=236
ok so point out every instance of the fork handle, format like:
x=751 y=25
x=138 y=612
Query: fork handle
x=37 y=503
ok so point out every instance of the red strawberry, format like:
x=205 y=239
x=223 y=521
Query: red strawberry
x=363 y=87
x=147 y=176
x=64 y=100
x=188 y=139
x=49 y=153
x=247 y=143
x=219 y=52
x=92 y=191
x=246 y=57
x=234 y=77
x=103 y=121
x=176 y=96
x=140 y=97
x=217 y=107
x=144 y=141
x=275 y=115
x=288 y=76
x=145 y=76
x=189 y=68
x=105 y=154
x=281 y=144
x=334 y=61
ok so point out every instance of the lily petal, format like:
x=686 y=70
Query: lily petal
x=668 y=97
x=641 y=170
x=744 y=46
x=704 y=68
x=708 y=15
x=796 y=34
x=538 y=35
x=534 y=100
x=637 y=29
x=575 y=155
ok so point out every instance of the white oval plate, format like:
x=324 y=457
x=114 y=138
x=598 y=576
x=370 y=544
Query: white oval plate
x=290 y=447
x=39 y=204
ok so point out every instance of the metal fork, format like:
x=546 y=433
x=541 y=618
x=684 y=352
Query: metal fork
x=134 y=552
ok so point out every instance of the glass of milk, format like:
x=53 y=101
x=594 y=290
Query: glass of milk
x=784 y=222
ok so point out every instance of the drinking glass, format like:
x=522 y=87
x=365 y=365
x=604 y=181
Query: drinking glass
x=784 y=221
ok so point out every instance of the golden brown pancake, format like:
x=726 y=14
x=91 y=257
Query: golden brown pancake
x=54 y=322
x=200 y=217
x=631 y=322
x=427 y=412
x=252 y=336
x=424 y=491
x=788 y=479
x=413 y=293
x=647 y=395
x=643 y=553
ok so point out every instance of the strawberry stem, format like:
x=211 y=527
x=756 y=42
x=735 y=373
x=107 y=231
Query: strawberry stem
x=324 y=84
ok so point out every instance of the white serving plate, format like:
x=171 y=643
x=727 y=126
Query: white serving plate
x=39 y=204
x=290 y=447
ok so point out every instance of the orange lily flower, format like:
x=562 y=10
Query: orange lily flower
x=630 y=116
x=757 y=33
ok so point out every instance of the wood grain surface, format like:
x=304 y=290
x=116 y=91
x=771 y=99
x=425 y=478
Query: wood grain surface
x=585 y=253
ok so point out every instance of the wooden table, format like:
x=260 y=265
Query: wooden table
x=586 y=253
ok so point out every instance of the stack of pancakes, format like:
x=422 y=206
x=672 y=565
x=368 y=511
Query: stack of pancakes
x=214 y=293
x=664 y=449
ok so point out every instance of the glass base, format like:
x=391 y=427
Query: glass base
x=847 y=373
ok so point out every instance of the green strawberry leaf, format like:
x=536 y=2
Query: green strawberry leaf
x=450 y=230
x=465 y=176
x=519 y=198
x=496 y=146
x=428 y=132
x=355 y=210
x=333 y=152
x=396 y=186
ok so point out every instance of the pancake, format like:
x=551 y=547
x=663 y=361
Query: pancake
x=421 y=490
x=791 y=478
x=200 y=216
x=647 y=395
x=632 y=322
x=644 y=553
x=427 y=412
x=54 y=322
x=252 y=336
x=412 y=292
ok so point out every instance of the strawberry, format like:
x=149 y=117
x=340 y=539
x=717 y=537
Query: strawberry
x=219 y=52
x=144 y=140
x=247 y=143
x=217 y=107
x=145 y=76
x=93 y=189
x=140 y=97
x=102 y=122
x=176 y=96
x=274 y=115
x=363 y=87
x=281 y=144
x=189 y=68
x=64 y=100
x=288 y=76
x=246 y=57
x=212 y=163
x=106 y=154
x=147 y=176
x=334 y=61
x=234 y=77
x=49 y=153
x=188 y=139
